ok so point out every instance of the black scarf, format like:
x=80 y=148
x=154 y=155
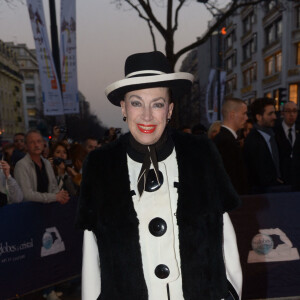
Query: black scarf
x=148 y=154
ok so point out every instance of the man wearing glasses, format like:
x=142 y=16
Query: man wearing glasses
x=288 y=140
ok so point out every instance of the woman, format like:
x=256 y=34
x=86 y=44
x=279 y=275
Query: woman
x=152 y=202
x=77 y=154
x=214 y=129
x=58 y=159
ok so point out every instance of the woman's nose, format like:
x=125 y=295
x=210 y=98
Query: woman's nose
x=147 y=114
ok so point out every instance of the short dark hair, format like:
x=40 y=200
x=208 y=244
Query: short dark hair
x=257 y=107
x=19 y=133
x=231 y=104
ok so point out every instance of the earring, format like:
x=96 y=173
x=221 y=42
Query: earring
x=168 y=120
x=124 y=119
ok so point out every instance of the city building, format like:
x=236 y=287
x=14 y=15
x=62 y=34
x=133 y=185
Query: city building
x=260 y=52
x=31 y=87
x=11 y=105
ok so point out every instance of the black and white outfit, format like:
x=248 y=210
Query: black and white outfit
x=166 y=244
x=155 y=216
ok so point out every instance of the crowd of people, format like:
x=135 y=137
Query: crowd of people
x=260 y=153
x=34 y=169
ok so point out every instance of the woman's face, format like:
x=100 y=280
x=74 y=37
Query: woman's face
x=147 y=112
x=60 y=152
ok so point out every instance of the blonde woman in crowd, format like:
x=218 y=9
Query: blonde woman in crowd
x=214 y=129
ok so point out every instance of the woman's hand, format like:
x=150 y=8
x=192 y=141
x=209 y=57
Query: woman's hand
x=5 y=168
x=71 y=172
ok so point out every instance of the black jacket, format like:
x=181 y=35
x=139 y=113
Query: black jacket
x=232 y=157
x=260 y=166
x=288 y=156
x=204 y=193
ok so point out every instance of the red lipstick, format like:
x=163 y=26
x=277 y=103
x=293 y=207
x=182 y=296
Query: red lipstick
x=146 y=128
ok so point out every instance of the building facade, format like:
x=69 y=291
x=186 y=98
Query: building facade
x=31 y=87
x=11 y=104
x=260 y=52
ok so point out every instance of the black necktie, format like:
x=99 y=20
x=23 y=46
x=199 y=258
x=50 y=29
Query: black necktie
x=290 y=136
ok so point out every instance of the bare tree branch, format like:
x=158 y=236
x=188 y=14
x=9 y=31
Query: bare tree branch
x=181 y=2
x=148 y=10
x=147 y=20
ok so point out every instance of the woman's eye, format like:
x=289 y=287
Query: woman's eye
x=135 y=103
x=159 y=105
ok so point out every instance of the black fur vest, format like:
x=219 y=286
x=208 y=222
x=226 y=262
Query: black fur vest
x=204 y=193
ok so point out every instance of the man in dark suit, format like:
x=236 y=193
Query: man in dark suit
x=288 y=141
x=234 y=113
x=260 y=149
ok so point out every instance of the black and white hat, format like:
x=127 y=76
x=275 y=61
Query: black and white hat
x=147 y=70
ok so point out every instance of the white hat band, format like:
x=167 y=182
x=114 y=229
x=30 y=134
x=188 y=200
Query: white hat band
x=145 y=72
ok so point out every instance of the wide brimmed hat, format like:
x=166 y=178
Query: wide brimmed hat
x=148 y=70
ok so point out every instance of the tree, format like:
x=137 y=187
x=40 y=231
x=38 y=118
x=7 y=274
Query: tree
x=144 y=9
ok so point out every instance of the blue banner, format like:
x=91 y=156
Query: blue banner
x=268 y=234
x=39 y=246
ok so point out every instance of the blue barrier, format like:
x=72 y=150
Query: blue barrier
x=268 y=234
x=39 y=246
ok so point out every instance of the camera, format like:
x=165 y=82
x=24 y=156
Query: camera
x=57 y=161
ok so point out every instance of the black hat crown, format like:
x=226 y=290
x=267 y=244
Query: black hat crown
x=150 y=61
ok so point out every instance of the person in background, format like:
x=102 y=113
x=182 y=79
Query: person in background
x=214 y=129
x=90 y=144
x=288 y=140
x=46 y=149
x=10 y=191
x=199 y=129
x=260 y=149
x=234 y=113
x=243 y=133
x=19 y=150
x=35 y=174
x=7 y=152
x=59 y=161
x=77 y=154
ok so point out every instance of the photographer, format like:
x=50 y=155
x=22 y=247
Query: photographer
x=61 y=164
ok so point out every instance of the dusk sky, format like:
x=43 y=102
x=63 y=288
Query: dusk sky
x=105 y=37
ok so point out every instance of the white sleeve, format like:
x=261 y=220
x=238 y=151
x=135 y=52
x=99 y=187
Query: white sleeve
x=231 y=256
x=90 y=289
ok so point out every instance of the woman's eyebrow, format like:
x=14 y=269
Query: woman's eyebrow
x=158 y=98
x=136 y=96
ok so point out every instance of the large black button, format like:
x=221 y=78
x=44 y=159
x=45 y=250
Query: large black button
x=162 y=271
x=152 y=184
x=157 y=227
